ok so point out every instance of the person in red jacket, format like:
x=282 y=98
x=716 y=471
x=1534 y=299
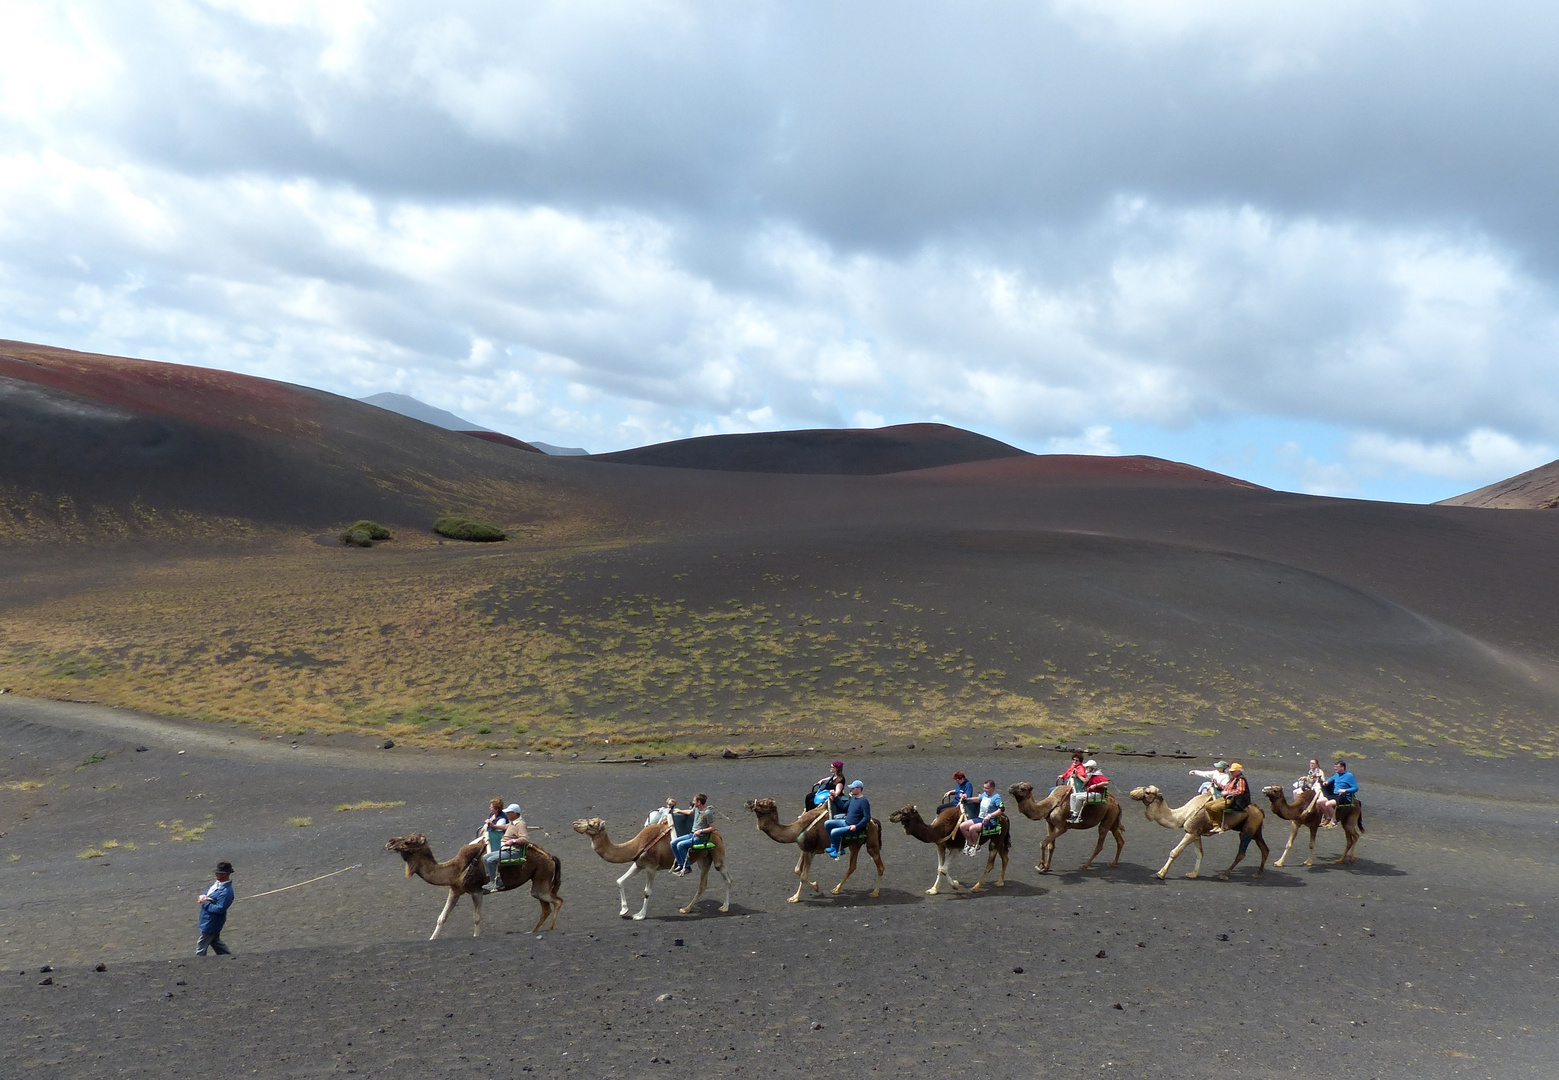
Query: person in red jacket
x=1095 y=787
x=1235 y=796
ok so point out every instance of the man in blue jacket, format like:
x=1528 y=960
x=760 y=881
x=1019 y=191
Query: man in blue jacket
x=857 y=816
x=214 y=903
x=1345 y=789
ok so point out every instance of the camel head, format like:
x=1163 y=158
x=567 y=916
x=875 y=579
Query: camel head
x=1147 y=795
x=590 y=826
x=1274 y=792
x=1021 y=791
x=909 y=813
x=763 y=807
x=409 y=846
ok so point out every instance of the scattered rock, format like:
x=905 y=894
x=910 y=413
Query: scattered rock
x=101 y=967
x=1102 y=955
x=45 y=969
x=663 y=997
x=142 y=749
x=386 y=744
x=1119 y=1006
x=1223 y=937
x=911 y=746
x=1017 y=971
x=679 y=941
x=181 y=982
x=693 y=754
x=728 y=753
x=49 y=981
x=816 y=1026
x=1142 y=944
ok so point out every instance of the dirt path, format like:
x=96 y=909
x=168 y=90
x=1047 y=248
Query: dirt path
x=1432 y=956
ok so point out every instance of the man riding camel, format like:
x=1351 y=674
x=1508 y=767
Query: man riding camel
x=1096 y=786
x=515 y=835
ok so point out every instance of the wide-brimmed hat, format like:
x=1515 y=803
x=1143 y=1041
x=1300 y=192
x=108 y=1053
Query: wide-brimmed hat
x=224 y=867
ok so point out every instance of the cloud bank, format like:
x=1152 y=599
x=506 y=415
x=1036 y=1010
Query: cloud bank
x=1314 y=245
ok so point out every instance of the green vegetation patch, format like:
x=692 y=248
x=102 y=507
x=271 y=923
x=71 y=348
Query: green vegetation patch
x=464 y=528
x=365 y=533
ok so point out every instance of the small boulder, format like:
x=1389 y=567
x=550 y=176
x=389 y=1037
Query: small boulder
x=386 y=744
x=728 y=753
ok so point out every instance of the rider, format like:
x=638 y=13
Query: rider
x=1076 y=774
x=1095 y=783
x=515 y=835
x=1214 y=778
x=701 y=822
x=661 y=813
x=990 y=806
x=1345 y=789
x=1314 y=780
x=959 y=794
x=830 y=787
x=857 y=816
x=1235 y=795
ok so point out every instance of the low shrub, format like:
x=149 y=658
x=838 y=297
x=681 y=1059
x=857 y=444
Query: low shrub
x=463 y=528
x=365 y=533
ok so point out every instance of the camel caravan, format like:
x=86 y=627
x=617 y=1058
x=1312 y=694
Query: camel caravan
x=836 y=820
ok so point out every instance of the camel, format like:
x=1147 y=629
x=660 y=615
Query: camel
x=1193 y=819
x=807 y=833
x=943 y=832
x=465 y=875
x=650 y=852
x=1304 y=812
x=1055 y=810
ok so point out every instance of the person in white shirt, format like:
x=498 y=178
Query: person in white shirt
x=661 y=813
x=1216 y=778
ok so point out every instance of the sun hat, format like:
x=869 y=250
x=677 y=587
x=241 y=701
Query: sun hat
x=1090 y=764
x=856 y=784
x=224 y=867
x=1220 y=764
x=1236 y=767
x=512 y=808
x=838 y=764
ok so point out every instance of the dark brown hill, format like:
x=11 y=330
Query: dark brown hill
x=837 y=451
x=503 y=440
x=1034 y=469
x=1535 y=489
x=103 y=445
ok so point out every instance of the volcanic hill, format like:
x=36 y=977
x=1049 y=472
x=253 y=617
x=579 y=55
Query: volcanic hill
x=1535 y=489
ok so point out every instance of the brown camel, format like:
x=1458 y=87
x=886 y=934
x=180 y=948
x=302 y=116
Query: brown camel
x=650 y=852
x=465 y=874
x=943 y=832
x=1303 y=811
x=809 y=836
x=1055 y=811
x=1193 y=819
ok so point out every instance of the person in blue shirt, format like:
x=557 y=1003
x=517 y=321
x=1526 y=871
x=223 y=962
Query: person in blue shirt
x=990 y=806
x=960 y=794
x=857 y=816
x=1345 y=790
x=214 y=903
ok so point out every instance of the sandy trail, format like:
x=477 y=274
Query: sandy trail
x=1432 y=956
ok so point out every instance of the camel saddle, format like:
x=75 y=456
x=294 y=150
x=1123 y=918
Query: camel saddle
x=851 y=839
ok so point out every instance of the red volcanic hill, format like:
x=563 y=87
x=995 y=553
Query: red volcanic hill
x=837 y=451
x=1032 y=469
x=1535 y=489
x=107 y=444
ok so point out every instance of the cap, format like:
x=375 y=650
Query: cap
x=1090 y=764
x=1236 y=767
x=1220 y=764
x=838 y=764
x=512 y=808
x=856 y=784
x=224 y=867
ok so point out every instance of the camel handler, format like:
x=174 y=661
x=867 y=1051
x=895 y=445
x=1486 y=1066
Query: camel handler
x=1095 y=788
x=515 y=835
x=1234 y=796
x=214 y=903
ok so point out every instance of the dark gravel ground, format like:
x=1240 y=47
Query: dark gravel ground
x=1432 y=956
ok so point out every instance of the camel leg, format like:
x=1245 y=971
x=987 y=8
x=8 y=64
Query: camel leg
x=443 y=916
x=649 y=886
x=546 y=895
x=855 y=853
x=803 y=867
x=1293 y=831
x=622 y=889
x=881 y=869
x=1311 y=860
x=1120 y=842
x=727 y=878
x=1196 y=871
x=1047 y=848
x=990 y=863
x=703 y=884
x=476 y=915
x=1005 y=854
x=1096 y=849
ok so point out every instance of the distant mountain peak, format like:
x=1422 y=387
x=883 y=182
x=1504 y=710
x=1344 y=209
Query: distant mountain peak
x=421 y=410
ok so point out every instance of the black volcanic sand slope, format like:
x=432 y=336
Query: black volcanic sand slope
x=1039 y=635
x=1431 y=956
x=95 y=446
x=850 y=451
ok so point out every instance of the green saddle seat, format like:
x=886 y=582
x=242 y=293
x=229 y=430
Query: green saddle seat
x=702 y=844
x=850 y=839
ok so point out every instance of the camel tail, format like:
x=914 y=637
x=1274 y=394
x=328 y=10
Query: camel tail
x=1361 y=820
x=557 y=873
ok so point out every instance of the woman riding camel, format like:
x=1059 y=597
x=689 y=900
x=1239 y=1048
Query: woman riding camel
x=1314 y=780
x=961 y=794
x=831 y=787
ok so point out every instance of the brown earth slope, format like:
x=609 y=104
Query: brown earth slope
x=1535 y=489
x=856 y=452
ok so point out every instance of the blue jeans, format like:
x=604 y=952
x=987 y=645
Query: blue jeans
x=679 y=848
x=490 y=860
x=836 y=829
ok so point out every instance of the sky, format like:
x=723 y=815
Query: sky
x=1314 y=245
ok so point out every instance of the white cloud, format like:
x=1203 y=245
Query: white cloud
x=1479 y=454
x=1098 y=439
